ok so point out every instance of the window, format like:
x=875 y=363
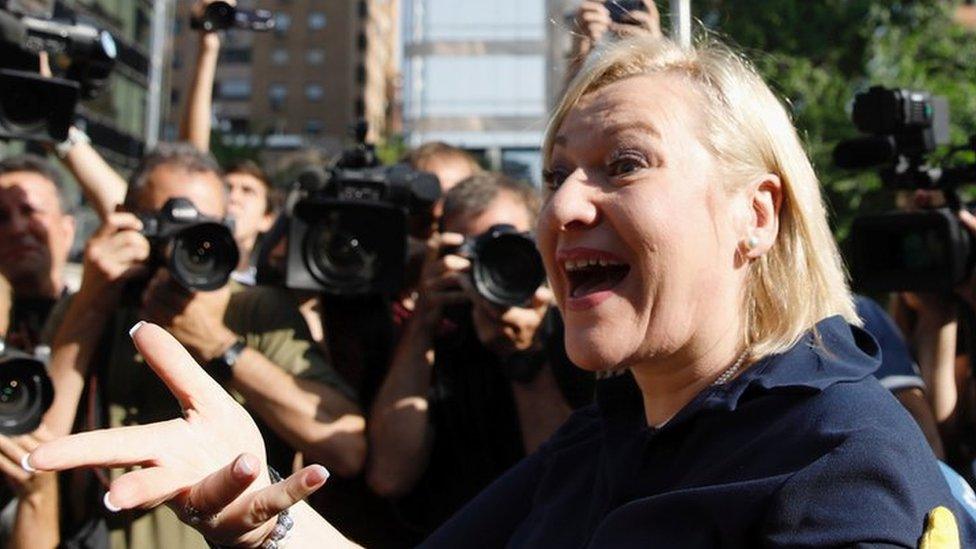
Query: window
x=279 y=56
x=235 y=88
x=316 y=20
x=277 y=93
x=282 y=23
x=315 y=56
x=314 y=126
x=314 y=92
x=235 y=55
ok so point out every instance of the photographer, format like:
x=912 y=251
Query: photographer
x=36 y=232
x=251 y=199
x=470 y=390
x=253 y=340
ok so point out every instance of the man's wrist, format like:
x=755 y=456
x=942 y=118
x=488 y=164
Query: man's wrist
x=222 y=343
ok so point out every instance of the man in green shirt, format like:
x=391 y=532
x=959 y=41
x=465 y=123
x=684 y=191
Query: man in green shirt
x=253 y=340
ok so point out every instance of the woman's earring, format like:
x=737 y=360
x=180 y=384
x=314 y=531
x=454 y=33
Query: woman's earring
x=752 y=242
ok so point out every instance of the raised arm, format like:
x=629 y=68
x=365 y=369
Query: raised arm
x=103 y=187
x=400 y=433
x=195 y=124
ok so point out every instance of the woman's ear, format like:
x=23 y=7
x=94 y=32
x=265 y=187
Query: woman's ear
x=765 y=195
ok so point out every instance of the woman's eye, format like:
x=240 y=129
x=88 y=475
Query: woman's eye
x=624 y=166
x=553 y=178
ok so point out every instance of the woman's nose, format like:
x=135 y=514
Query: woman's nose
x=572 y=205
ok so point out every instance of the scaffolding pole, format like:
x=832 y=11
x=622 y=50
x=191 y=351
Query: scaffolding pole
x=681 y=22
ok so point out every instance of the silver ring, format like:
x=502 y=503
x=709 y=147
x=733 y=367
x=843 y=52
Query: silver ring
x=195 y=517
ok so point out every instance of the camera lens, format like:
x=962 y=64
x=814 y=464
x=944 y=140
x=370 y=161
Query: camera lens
x=22 y=107
x=508 y=269
x=25 y=393
x=339 y=256
x=203 y=256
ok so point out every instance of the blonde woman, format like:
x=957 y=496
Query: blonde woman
x=687 y=245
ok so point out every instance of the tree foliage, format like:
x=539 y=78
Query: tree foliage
x=816 y=55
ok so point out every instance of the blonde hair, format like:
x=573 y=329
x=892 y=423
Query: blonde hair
x=801 y=279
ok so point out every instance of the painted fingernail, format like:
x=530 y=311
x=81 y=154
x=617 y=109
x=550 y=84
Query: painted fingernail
x=243 y=467
x=316 y=476
x=135 y=328
x=25 y=463
x=109 y=505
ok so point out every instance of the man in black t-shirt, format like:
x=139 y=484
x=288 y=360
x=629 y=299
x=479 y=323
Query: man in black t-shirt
x=36 y=232
x=472 y=387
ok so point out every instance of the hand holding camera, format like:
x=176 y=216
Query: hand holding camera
x=440 y=281
x=512 y=329
x=620 y=17
x=195 y=319
x=115 y=254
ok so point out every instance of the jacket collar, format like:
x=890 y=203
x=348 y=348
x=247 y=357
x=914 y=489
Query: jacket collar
x=832 y=352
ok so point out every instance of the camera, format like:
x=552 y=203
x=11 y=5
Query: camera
x=620 y=10
x=199 y=252
x=26 y=391
x=347 y=225
x=223 y=16
x=506 y=267
x=907 y=251
x=37 y=108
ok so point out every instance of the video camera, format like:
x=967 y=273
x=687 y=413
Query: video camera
x=26 y=391
x=199 y=252
x=33 y=107
x=223 y=16
x=908 y=251
x=506 y=267
x=348 y=225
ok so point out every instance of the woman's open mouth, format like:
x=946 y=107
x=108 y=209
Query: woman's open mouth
x=591 y=274
x=588 y=277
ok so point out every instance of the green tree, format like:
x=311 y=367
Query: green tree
x=816 y=55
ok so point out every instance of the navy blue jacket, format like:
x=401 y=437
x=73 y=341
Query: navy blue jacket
x=804 y=449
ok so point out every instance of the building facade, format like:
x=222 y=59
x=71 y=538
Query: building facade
x=475 y=76
x=326 y=64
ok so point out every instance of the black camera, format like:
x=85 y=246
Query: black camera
x=26 y=392
x=223 y=16
x=347 y=226
x=907 y=251
x=620 y=10
x=506 y=267
x=82 y=56
x=199 y=252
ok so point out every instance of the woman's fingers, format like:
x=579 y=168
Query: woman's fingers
x=188 y=382
x=144 y=488
x=120 y=447
x=265 y=504
x=209 y=496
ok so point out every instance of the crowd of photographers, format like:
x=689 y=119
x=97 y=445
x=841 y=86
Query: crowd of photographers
x=391 y=324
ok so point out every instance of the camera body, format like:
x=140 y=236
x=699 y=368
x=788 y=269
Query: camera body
x=927 y=250
x=33 y=107
x=620 y=10
x=223 y=16
x=506 y=268
x=199 y=252
x=26 y=391
x=348 y=228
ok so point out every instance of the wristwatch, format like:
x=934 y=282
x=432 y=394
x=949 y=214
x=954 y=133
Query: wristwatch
x=75 y=137
x=221 y=367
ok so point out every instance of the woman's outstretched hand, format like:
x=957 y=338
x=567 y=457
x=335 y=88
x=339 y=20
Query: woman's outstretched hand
x=208 y=466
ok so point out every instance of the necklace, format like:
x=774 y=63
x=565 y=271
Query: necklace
x=730 y=372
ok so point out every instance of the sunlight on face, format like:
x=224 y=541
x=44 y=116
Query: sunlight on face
x=637 y=235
